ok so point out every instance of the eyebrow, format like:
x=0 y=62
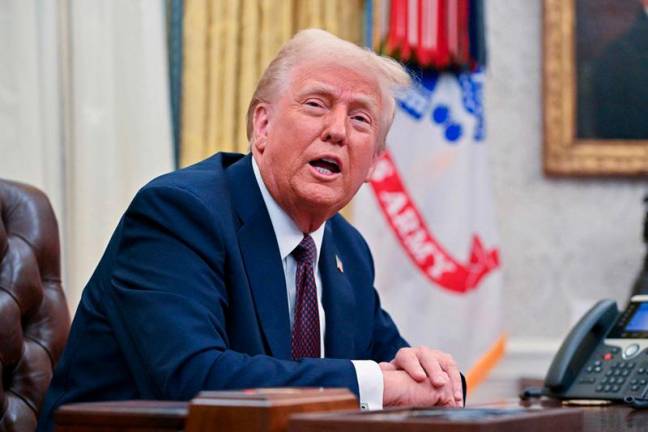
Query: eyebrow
x=319 y=88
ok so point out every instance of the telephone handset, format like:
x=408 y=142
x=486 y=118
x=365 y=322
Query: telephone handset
x=605 y=355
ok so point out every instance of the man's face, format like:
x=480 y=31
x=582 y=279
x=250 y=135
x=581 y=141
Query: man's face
x=316 y=143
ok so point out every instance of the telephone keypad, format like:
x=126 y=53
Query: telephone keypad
x=607 y=375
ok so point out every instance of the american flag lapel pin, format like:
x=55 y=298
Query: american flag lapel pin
x=338 y=262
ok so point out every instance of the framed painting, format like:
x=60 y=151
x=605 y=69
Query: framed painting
x=595 y=87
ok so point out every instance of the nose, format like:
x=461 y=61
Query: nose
x=335 y=127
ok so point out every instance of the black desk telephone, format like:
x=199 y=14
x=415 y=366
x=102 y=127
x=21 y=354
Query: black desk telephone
x=605 y=356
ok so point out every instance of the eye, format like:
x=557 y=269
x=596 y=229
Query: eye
x=361 y=118
x=315 y=103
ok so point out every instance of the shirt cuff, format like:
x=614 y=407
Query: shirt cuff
x=370 y=384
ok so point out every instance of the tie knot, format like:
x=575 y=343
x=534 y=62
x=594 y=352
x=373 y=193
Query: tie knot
x=305 y=251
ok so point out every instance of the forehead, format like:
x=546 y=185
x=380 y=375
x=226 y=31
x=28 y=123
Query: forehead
x=335 y=80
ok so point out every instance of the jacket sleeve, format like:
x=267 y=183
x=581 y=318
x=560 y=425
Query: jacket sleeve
x=170 y=298
x=386 y=340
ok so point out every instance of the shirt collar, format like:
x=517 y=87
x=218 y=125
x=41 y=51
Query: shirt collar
x=287 y=233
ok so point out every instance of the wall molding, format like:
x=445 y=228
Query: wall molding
x=523 y=358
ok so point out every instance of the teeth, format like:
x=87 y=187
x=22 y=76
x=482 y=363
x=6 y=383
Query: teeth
x=323 y=171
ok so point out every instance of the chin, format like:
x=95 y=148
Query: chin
x=324 y=201
x=328 y=206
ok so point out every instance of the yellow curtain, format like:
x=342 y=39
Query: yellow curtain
x=226 y=46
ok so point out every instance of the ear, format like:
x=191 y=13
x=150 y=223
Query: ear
x=260 y=123
x=374 y=162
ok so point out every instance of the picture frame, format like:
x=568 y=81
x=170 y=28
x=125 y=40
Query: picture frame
x=574 y=140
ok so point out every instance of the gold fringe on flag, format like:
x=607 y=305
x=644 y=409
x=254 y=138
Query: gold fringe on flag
x=485 y=365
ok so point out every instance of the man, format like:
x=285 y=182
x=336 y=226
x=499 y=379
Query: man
x=237 y=272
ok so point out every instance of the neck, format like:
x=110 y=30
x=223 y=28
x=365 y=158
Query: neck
x=306 y=223
x=306 y=217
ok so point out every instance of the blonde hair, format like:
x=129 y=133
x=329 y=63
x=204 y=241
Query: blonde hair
x=315 y=44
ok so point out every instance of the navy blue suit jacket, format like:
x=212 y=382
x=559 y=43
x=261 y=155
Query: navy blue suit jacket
x=190 y=295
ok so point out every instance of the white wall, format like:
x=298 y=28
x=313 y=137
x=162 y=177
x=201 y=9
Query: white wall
x=564 y=242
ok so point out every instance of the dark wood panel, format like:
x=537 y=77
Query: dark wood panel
x=262 y=410
x=497 y=419
x=131 y=416
x=259 y=410
x=274 y=410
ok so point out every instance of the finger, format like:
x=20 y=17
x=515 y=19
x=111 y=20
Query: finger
x=407 y=360
x=448 y=403
x=386 y=366
x=451 y=401
x=430 y=362
x=450 y=367
x=444 y=397
x=455 y=377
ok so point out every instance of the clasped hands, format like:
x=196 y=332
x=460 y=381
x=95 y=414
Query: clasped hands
x=421 y=377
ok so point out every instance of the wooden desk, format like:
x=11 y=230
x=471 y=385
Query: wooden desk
x=256 y=410
x=604 y=418
x=609 y=418
x=509 y=419
x=148 y=416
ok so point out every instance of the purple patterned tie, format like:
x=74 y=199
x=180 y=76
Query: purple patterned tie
x=305 y=338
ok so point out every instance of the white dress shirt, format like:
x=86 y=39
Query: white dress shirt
x=368 y=373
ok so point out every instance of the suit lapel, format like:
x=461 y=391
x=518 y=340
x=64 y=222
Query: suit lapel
x=338 y=300
x=261 y=257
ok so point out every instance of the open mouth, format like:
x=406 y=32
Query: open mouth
x=325 y=166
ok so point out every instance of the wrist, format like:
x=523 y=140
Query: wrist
x=394 y=386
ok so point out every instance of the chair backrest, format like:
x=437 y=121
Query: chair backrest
x=34 y=318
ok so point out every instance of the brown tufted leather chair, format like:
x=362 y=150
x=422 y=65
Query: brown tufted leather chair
x=34 y=319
